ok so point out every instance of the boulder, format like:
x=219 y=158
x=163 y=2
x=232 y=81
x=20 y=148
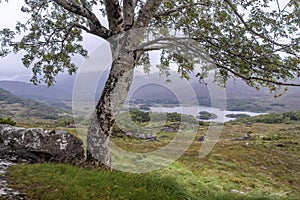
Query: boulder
x=172 y=128
x=129 y=134
x=141 y=136
x=38 y=145
x=202 y=138
x=151 y=137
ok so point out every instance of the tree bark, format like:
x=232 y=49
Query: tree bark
x=120 y=78
x=109 y=105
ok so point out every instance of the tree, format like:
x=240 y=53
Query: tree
x=261 y=47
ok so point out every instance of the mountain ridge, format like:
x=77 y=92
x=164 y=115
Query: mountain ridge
x=237 y=92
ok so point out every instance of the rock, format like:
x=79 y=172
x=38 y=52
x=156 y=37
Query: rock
x=164 y=136
x=202 y=138
x=171 y=128
x=38 y=145
x=5 y=191
x=249 y=124
x=151 y=137
x=141 y=136
x=246 y=137
x=128 y=134
x=148 y=137
x=168 y=129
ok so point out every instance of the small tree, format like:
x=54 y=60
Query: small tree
x=262 y=48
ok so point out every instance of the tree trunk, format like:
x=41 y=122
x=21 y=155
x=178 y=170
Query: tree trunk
x=109 y=105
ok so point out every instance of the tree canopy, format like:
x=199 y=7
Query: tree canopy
x=255 y=40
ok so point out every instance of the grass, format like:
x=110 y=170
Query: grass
x=265 y=167
x=57 y=181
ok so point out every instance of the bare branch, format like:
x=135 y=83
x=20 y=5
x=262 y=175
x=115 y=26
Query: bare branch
x=250 y=29
x=147 y=13
x=96 y=28
x=128 y=13
x=114 y=16
x=176 y=9
x=252 y=78
x=82 y=27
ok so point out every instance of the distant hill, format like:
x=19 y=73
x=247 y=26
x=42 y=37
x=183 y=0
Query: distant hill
x=240 y=96
x=50 y=95
x=17 y=107
x=153 y=87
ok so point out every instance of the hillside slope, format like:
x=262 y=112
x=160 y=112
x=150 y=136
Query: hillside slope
x=53 y=96
x=17 y=107
x=153 y=87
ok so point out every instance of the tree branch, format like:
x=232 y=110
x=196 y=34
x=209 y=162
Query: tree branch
x=176 y=9
x=252 y=78
x=96 y=27
x=147 y=13
x=114 y=16
x=128 y=13
x=81 y=27
x=239 y=16
x=69 y=31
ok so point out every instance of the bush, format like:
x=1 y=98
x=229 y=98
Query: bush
x=204 y=115
x=238 y=116
x=7 y=121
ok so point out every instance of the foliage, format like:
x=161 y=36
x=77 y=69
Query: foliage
x=275 y=118
x=204 y=115
x=250 y=105
x=141 y=116
x=66 y=122
x=238 y=116
x=7 y=120
x=144 y=107
x=177 y=117
x=137 y=121
x=260 y=47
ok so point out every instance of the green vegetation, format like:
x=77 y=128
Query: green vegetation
x=22 y=108
x=237 y=116
x=204 y=115
x=137 y=121
x=144 y=107
x=275 y=118
x=66 y=122
x=264 y=167
x=7 y=120
x=138 y=115
x=141 y=116
x=251 y=105
x=53 y=181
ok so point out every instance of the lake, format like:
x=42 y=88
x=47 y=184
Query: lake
x=195 y=112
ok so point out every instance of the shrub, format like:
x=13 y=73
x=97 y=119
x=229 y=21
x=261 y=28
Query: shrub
x=7 y=120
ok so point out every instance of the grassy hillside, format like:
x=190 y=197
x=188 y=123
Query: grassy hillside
x=266 y=166
x=274 y=118
x=25 y=109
